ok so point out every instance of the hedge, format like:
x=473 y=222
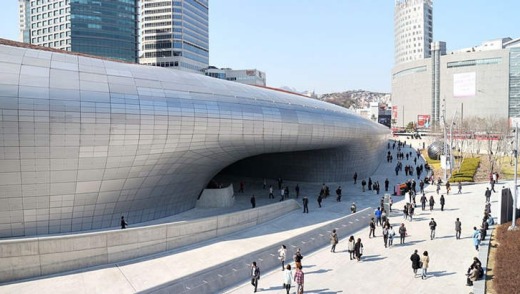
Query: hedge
x=467 y=170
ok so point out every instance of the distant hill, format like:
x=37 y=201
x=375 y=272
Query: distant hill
x=353 y=99
x=356 y=99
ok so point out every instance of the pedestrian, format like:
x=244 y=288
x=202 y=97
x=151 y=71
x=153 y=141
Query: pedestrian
x=391 y=235
x=271 y=195
x=442 y=201
x=492 y=183
x=487 y=194
x=297 y=190
x=460 y=188
x=372 y=228
x=390 y=202
x=402 y=233
x=299 y=279
x=338 y=194
x=282 y=194
x=363 y=184
x=405 y=211
x=448 y=188
x=355 y=178
x=423 y=201
x=425 y=260
x=333 y=241
x=385 y=236
x=287 y=278
x=282 y=253
x=350 y=247
x=255 y=275
x=253 y=201
x=353 y=207
x=358 y=249
x=433 y=226
x=305 y=205
x=377 y=214
x=298 y=257
x=476 y=237
x=369 y=183
x=319 y=200
x=387 y=183
x=458 y=228
x=432 y=202
x=438 y=187
x=123 y=223
x=416 y=262
x=411 y=210
x=384 y=217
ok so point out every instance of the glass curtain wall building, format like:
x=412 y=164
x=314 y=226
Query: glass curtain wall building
x=175 y=34
x=102 y=28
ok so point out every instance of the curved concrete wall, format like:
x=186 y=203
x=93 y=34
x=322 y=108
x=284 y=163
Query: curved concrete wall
x=32 y=257
x=211 y=198
x=84 y=140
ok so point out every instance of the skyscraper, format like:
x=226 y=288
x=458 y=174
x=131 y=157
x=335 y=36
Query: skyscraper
x=102 y=28
x=175 y=34
x=413 y=29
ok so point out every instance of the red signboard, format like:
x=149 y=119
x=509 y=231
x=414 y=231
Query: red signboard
x=423 y=121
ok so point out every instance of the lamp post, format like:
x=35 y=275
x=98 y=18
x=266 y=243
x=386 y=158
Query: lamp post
x=513 y=223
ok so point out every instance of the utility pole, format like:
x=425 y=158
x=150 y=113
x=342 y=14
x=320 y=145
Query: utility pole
x=513 y=226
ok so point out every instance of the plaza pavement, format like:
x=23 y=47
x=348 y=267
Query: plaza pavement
x=382 y=269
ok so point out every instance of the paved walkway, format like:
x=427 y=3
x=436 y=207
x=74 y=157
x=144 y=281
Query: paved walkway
x=325 y=272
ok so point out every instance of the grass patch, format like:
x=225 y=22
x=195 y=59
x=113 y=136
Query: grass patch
x=467 y=170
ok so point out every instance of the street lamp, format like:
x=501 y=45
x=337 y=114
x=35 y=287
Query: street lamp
x=513 y=223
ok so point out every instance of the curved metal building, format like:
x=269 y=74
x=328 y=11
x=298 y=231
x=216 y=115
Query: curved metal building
x=85 y=140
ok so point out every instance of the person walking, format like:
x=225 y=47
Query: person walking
x=425 y=260
x=416 y=262
x=123 y=223
x=458 y=228
x=448 y=188
x=372 y=232
x=423 y=201
x=363 y=184
x=297 y=190
x=350 y=247
x=442 y=201
x=299 y=278
x=476 y=237
x=287 y=278
x=433 y=226
x=432 y=202
x=298 y=257
x=385 y=236
x=377 y=214
x=387 y=183
x=355 y=178
x=319 y=200
x=271 y=195
x=333 y=241
x=402 y=233
x=255 y=275
x=391 y=235
x=338 y=194
x=460 y=188
x=358 y=249
x=253 y=201
x=488 y=195
x=305 y=205
x=282 y=253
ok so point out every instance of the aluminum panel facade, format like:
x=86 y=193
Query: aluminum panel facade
x=84 y=140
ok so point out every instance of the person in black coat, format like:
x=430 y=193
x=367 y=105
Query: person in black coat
x=416 y=259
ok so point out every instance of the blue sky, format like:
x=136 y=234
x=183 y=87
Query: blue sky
x=327 y=45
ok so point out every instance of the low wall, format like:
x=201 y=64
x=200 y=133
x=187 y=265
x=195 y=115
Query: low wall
x=236 y=271
x=214 y=198
x=33 y=257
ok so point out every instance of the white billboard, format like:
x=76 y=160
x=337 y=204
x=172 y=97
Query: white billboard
x=464 y=84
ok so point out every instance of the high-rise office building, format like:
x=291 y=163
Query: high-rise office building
x=102 y=28
x=175 y=34
x=413 y=30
